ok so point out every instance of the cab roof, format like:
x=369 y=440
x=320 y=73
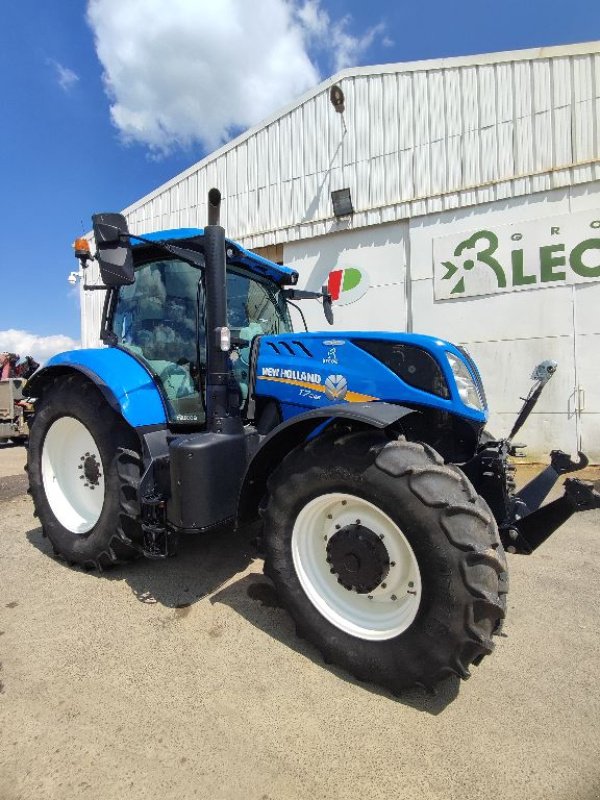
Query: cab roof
x=236 y=254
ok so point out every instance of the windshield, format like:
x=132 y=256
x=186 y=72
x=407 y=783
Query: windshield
x=160 y=319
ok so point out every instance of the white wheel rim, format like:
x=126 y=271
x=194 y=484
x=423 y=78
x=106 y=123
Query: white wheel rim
x=383 y=613
x=73 y=475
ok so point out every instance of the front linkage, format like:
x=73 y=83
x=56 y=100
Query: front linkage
x=523 y=522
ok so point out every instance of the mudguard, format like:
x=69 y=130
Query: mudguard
x=125 y=383
x=292 y=433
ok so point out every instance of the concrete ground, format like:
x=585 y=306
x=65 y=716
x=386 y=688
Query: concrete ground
x=184 y=679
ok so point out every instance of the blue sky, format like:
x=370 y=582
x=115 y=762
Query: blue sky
x=71 y=144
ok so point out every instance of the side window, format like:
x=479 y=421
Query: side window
x=155 y=319
x=253 y=307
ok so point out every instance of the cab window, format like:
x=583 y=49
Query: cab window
x=155 y=320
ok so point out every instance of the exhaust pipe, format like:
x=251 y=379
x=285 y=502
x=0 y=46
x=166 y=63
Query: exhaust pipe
x=222 y=393
x=214 y=207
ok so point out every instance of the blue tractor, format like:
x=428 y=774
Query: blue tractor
x=386 y=506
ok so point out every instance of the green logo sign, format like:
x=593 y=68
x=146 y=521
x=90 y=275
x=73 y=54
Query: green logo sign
x=484 y=244
x=531 y=255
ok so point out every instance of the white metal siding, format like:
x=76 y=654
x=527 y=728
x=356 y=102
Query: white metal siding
x=415 y=139
x=509 y=333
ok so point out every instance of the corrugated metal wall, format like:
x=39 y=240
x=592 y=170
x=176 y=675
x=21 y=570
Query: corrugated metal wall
x=415 y=139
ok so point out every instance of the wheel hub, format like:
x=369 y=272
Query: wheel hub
x=358 y=557
x=91 y=469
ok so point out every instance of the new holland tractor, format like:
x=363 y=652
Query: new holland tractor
x=386 y=506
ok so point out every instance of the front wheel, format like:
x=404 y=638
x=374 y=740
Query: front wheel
x=386 y=558
x=84 y=465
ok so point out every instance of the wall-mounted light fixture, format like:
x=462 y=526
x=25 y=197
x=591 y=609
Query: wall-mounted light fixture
x=337 y=99
x=342 y=203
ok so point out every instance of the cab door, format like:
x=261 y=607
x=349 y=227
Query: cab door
x=158 y=320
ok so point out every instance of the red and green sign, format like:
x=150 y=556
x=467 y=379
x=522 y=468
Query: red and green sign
x=347 y=285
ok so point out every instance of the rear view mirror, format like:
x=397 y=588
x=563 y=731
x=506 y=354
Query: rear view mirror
x=113 y=250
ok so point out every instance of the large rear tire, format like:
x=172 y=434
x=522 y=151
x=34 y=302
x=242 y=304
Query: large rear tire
x=84 y=466
x=387 y=559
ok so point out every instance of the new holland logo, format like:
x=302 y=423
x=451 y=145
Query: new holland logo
x=336 y=387
x=347 y=285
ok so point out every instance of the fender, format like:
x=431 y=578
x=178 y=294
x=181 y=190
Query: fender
x=297 y=430
x=127 y=385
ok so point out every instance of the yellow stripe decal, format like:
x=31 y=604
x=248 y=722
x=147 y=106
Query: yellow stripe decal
x=351 y=397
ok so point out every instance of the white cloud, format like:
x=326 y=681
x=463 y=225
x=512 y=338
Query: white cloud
x=66 y=77
x=345 y=49
x=196 y=71
x=40 y=347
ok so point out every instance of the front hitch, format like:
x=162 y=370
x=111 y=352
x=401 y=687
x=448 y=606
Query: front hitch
x=524 y=524
x=536 y=491
x=526 y=534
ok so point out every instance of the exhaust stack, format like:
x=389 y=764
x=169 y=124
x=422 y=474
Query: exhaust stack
x=222 y=393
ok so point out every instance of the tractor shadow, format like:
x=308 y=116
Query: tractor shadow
x=255 y=599
x=204 y=568
x=203 y=564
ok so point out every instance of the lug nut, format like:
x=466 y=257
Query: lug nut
x=329 y=516
x=344 y=502
x=383 y=585
x=393 y=597
x=392 y=563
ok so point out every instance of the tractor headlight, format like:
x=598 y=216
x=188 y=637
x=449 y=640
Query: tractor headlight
x=467 y=388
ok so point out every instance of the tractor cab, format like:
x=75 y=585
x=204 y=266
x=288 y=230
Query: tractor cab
x=160 y=317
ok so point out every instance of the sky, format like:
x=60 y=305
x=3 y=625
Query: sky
x=105 y=100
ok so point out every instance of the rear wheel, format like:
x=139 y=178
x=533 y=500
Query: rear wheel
x=84 y=465
x=387 y=559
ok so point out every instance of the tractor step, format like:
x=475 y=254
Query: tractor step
x=158 y=540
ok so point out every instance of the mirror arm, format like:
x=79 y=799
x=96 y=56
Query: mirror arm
x=301 y=294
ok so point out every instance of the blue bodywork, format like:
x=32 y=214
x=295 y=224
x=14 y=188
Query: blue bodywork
x=294 y=370
x=125 y=383
x=236 y=254
x=300 y=371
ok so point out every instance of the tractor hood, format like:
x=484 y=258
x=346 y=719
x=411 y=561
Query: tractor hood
x=310 y=370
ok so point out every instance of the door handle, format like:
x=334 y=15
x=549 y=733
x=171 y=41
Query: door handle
x=581 y=398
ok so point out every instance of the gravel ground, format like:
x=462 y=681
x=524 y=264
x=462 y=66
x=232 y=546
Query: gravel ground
x=184 y=679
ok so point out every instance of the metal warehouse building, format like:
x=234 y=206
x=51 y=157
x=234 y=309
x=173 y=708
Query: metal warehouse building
x=472 y=193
